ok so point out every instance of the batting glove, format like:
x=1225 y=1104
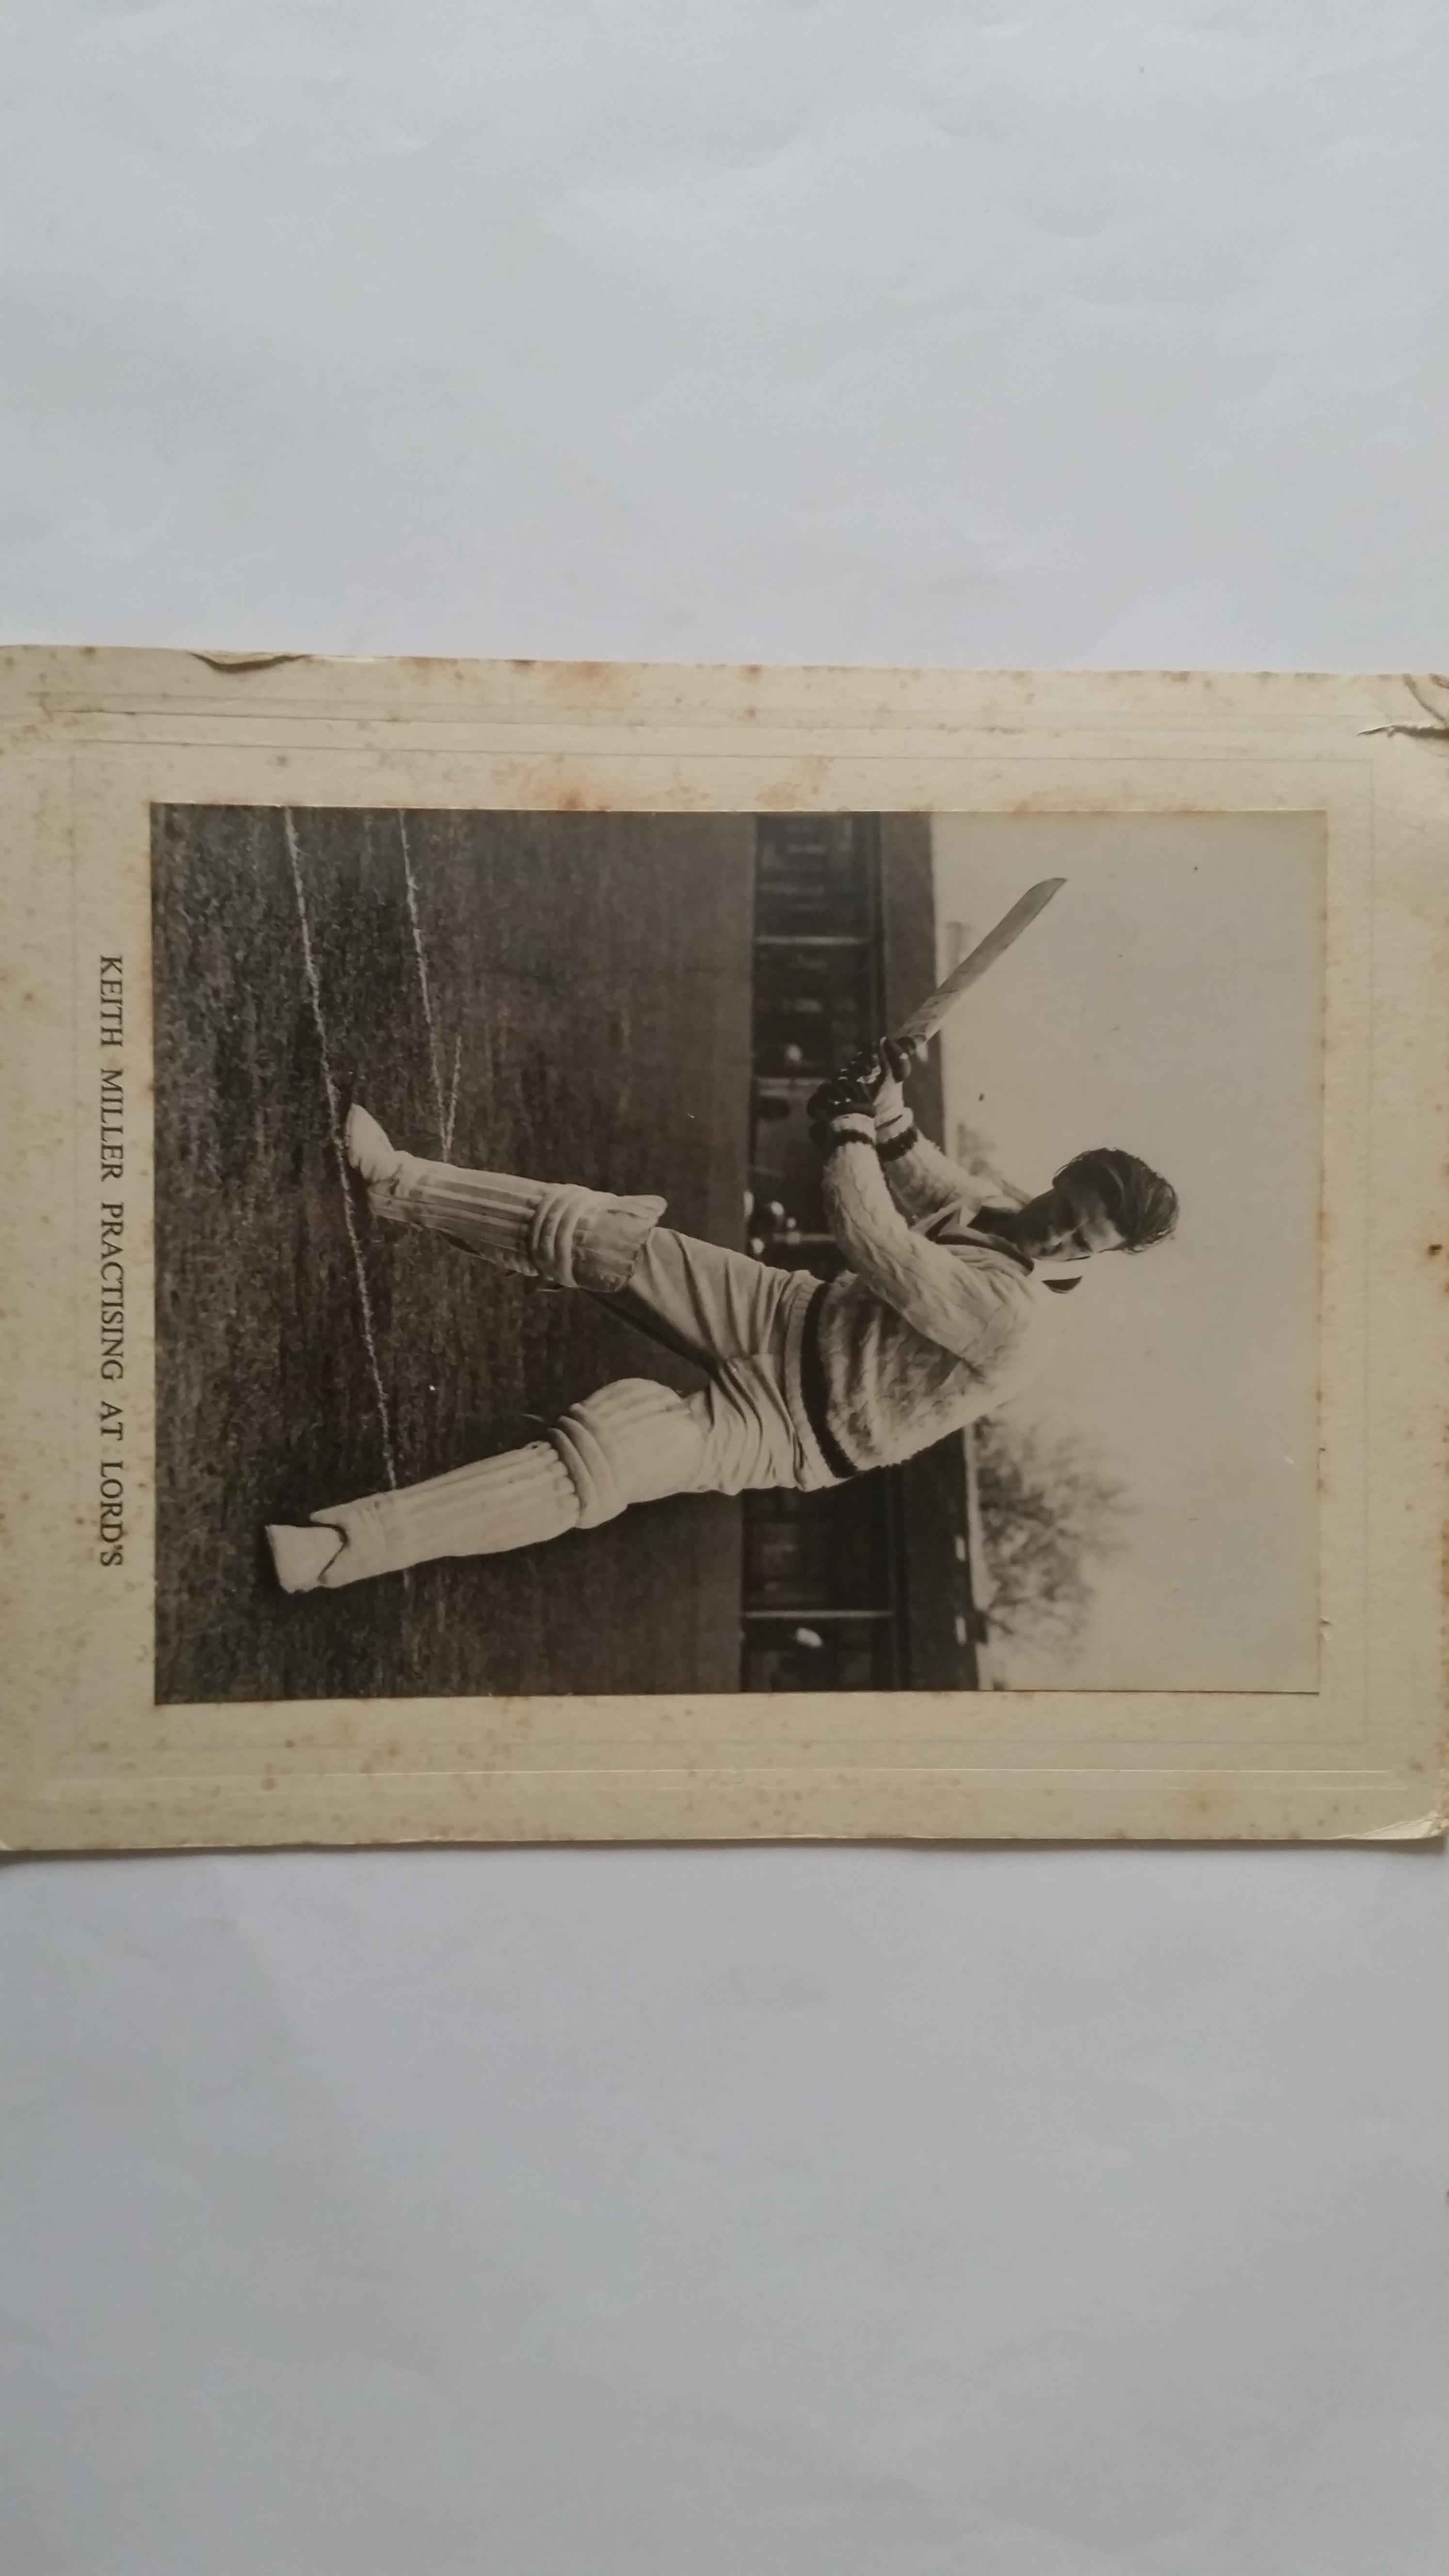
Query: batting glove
x=889 y=1100
x=842 y=1111
x=845 y=1095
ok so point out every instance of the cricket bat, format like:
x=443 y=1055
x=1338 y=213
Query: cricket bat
x=917 y=1032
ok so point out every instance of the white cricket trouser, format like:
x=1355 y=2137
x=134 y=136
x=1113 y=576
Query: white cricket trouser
x=635 y=1440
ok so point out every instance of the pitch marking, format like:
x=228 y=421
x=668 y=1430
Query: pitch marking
x=452 y=1099
x=314 y=988
x=445 y=1115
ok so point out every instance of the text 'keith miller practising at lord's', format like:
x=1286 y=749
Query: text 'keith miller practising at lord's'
x=945 y=1308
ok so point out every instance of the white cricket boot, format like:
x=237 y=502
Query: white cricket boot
x=302 y=1556
x=373 y=1157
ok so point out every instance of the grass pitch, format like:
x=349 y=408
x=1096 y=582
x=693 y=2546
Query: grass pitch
x=561 y=995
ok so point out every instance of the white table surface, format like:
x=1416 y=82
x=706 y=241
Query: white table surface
x=740 y=2213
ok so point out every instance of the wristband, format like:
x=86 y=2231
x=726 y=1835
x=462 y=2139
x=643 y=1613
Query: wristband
x=844 y=1129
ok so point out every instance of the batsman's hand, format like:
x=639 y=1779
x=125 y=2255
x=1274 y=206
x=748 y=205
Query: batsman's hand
x=888 y=1100
x=868 y=1087
x=847 y=1094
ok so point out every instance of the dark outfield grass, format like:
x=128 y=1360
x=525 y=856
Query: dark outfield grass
x=594 y=973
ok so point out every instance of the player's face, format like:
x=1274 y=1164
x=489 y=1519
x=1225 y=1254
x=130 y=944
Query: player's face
x=1070 y=1225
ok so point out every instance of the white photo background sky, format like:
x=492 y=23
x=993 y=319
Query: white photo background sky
x=1168 y=1001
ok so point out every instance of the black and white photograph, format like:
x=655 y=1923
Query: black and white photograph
x=690 y=1253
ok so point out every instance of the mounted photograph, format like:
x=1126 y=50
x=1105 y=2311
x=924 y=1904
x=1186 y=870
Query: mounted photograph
x=607 y=1253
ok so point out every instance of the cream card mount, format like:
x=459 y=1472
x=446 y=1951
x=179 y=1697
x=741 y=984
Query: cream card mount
x=498 y=1352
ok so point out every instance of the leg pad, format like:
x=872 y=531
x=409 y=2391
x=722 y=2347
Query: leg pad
x=518 y=1499
x=631 y=1443
x=559 y=1231
x=585 y=1239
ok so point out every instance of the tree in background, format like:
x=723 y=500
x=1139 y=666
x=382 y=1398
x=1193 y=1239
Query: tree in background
x=1049 y=1512
x=1049 y=1509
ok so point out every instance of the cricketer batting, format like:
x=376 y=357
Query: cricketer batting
x=946 y=1306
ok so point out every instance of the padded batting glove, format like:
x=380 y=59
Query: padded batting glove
x=889 y=1099
x=842 y=1111
x=847 y=1094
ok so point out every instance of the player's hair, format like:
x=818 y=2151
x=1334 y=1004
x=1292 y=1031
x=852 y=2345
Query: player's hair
x=1140 y=1203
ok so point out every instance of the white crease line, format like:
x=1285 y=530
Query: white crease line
x=445 y=1123
x=314 y=987
x=453 y=1099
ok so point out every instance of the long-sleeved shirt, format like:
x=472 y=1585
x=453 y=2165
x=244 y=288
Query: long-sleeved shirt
x=932 y=1322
